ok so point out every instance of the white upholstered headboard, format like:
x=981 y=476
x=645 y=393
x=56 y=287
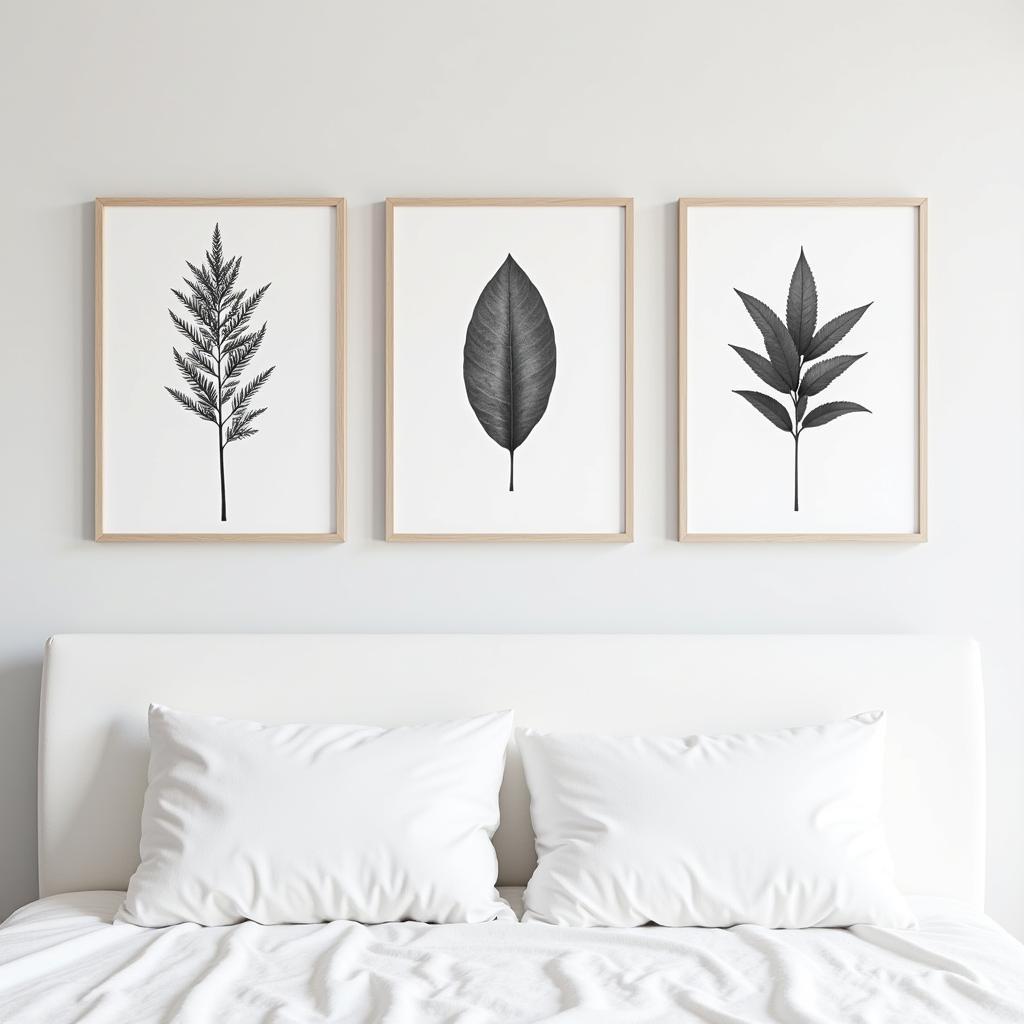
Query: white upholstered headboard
x=97 y=688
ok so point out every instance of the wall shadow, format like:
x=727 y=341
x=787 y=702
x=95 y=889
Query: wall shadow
x=87 y=305
x=673 y=411
x=378 y=345
x=19 y=730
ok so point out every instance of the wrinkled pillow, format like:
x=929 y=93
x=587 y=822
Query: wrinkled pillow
x=306 y=823
x=780 y=829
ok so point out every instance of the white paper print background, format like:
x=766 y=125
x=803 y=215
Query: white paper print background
x=160 y=462
x=449 y=476
x=857 y=473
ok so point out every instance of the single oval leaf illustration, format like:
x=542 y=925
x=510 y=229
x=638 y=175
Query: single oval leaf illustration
x=763 y=368
x=777 y=341
x=829 y=411
x=819 y=376
x=769 y=408
x=802 y=305
x=834 y=331
x=508 y=363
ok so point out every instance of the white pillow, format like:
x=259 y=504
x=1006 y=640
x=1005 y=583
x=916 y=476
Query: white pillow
x=779 y=829
x=305 y=823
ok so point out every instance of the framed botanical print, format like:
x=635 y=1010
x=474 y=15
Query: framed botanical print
x=220 y=369
x=802 y=365
x=509 y=369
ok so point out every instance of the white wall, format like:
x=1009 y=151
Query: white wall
x=461 y=97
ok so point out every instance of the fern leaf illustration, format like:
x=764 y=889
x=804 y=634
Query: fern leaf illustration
x=221 y=349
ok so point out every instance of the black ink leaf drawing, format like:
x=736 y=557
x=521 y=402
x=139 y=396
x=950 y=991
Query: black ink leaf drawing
x=222 y=347
x=509 y=359
x=791 y=346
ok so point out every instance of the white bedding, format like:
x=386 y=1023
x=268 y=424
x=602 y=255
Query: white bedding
x=62 y=959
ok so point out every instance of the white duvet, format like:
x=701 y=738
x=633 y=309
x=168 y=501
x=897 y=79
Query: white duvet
x=62 y=960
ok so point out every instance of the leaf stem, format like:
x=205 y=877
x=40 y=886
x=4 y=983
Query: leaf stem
x=511 y=378
x=796 y=472
x=220 y=408
x=795 y=396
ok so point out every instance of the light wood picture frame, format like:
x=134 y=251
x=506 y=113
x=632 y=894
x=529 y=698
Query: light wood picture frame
x=755 y=272
x=562 y=272
x=281 y=266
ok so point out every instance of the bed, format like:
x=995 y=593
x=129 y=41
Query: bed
x=62 y=958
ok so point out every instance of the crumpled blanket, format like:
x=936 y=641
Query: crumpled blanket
x=62 y=960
